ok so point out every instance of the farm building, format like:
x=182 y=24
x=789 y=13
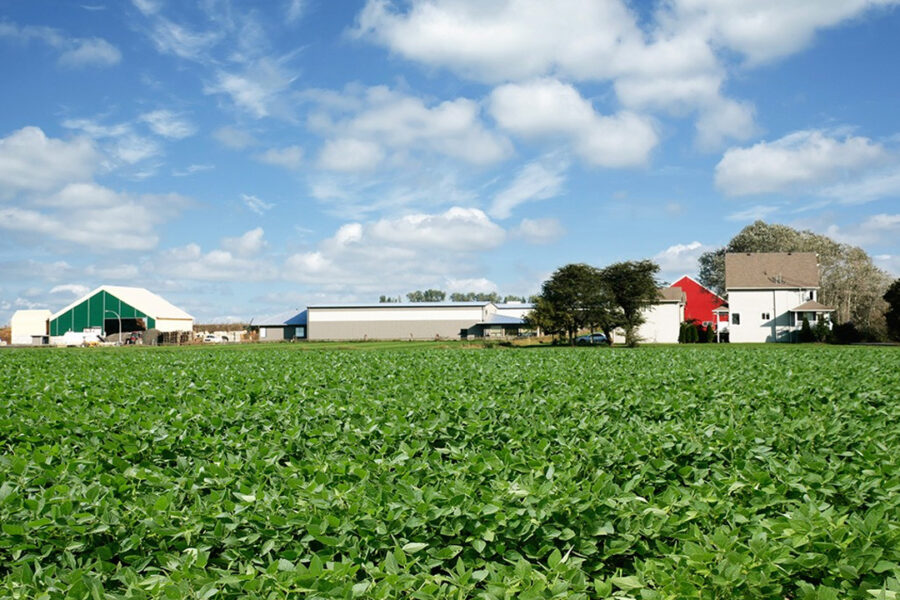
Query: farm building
x=107 y=306
x=769 y=294
x=414 y=321
x=28 y=324
x=283 y=326
x=662 y=321
x=702 y=305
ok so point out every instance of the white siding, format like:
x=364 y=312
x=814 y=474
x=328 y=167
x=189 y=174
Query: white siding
x=752 y=306
x=517 y=311
x=661 y=325
x=174 y=325
x=26 y=323
x=474 y=313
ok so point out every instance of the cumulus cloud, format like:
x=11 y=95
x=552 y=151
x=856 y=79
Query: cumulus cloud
x=248 y=244
x=75 y=290
x=680 y=259
x=539 y=231
x=289 y=157
x=538 y=180
x=549 y=108
x=30 y=161
x=350 y=154
x=677 y=61
x=121 y=145
x=189 y=262
x=409 y=251
x=801 y=161
x=399 y=123
x=90 y=215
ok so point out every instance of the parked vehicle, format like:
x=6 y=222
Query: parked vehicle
x=591 y=340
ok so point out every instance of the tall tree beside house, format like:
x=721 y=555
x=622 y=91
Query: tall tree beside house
x=849 y=280
x=429 y=295
x=572 y=299
x=632 y=287
x=892 y=316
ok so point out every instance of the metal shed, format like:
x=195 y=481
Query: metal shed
x=108 y=307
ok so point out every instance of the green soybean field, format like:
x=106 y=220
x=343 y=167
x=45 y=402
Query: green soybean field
x=277 y=472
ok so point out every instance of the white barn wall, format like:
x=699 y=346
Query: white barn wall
x=661 y=325
x=26 y=323
x=394 y=322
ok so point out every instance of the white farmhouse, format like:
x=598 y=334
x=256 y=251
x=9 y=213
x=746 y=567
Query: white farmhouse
x=28 y=325
x=769 y=293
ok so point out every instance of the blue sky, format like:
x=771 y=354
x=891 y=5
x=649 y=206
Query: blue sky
x=243 y=161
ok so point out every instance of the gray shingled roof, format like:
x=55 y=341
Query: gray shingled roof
x=771 y=270
x=812 y=306
x=671 y=294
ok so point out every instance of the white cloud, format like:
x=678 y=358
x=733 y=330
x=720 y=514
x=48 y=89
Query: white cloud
x=871 y=186
x=549 y=108
x=478 y=285
x=348 y=154
x=234 y=138
x=289 y=157
x=538 y=180
x=30 y=161
x=191 y=263
x=258 y=90
x=75 y=290
x=676 y=61
x=411 y=251
x=172 y=38
x=122 y=146
x=74 y=52
x=295 y=10
x=92 y=216
x=539 y=231
x=889 y=262
x=801 y=161
x=191 y=169
x=753 y=213
x=255 y=204
x=680 y=259
x=404 y=124
x=249 y=244
x=763 y=30
x=875 y=230
x=91 y=52
x=127 y=272
x=168 y=124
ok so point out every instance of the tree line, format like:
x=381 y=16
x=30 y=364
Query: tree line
x=581 y=296
x=433 y=295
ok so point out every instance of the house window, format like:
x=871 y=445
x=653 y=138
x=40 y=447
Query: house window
x=812 y=295
x=735 y=318
x=766 y=316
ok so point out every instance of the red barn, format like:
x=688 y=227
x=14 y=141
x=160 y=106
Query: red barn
x=701 y=302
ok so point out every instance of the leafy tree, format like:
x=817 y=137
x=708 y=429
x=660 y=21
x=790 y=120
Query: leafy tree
x=821 y=330
x=426 y=296
x=892 y=316
x=388 y=299
x=710 y=334
x=517 y=299
x=849 y=281
x=632 y=287
x=573 y=298
x=475 y=297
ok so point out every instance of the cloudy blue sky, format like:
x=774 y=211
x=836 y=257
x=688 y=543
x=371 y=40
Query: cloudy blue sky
x=244 y=161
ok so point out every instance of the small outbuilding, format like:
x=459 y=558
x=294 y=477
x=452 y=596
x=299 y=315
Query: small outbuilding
x=29 y=324
x=111 y=309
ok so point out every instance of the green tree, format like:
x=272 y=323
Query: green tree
x=892 y=316
x=632 y=287
x=806 y=332
x=429 y=295
x=849 y=280
x=573 y=298
x=388 y=299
